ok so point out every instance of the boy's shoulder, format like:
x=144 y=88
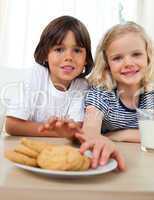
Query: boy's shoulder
x=80 y=83
x=37 y=68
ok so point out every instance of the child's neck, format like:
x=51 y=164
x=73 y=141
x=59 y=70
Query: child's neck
x=128 y=95
x=62 y=86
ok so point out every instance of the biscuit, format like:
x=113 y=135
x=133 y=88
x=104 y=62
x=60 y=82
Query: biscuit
x=20 y=158
x=62 y=158
x=86 y=163
x=37 y=146
x=26 y=151
x=48 y=156
x=74 y=158
x=52 y=159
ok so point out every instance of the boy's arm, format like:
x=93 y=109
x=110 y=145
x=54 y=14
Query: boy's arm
x=53 y=128
x=127 y=135
x=19 y=127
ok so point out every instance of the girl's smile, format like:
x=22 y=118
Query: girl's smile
x=130 y=72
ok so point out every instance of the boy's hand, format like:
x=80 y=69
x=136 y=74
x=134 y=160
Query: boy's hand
x=61 y=127
x=102 y=149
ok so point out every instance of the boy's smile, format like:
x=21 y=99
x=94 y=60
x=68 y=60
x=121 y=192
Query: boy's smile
x=67 y=68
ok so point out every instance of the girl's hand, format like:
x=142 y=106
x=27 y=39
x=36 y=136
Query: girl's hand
x=102 y=149
x=61 y=127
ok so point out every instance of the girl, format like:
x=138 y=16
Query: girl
x=57 y=86
x=120 y=80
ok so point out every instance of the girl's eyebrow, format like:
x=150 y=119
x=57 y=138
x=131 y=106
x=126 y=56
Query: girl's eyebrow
x=137 y=50
x=119 y=54
x=115 y=55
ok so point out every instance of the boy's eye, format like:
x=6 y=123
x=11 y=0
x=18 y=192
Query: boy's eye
x=59 y=49
x=77 y=49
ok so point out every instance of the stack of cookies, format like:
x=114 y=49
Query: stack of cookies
x=48 y=156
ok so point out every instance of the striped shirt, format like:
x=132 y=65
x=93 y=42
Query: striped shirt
x=117 y=116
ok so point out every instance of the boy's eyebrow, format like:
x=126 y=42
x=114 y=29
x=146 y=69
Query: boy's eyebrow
x=75 y=45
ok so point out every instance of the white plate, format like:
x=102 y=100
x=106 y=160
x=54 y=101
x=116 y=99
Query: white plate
x=111 y=165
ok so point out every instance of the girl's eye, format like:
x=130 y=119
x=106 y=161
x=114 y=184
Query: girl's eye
x=137 y=54
x=117 y=58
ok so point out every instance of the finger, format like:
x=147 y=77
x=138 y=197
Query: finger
x=49 y=123
x=52 y=120
x=106 y=153
x=71 y=124
x=59 y=123
x=46 y=125
x=120 y=159
x=86 y=146
x=41 y=128
x=96 y=155
x=80 y=137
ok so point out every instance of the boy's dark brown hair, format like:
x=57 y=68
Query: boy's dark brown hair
x=55 y=32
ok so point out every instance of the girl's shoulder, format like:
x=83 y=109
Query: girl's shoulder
x=101 y=95
x=147 y=99
x=102 y=91
x=148 y=94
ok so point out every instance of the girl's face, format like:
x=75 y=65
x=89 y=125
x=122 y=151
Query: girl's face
x=66 y=61
x=127 y=59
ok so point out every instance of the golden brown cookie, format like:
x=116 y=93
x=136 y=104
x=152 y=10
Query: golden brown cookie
x=61 y=158
x=74 y=158
x=37 y=146
x=20 y=158
x=86 y=163
x=26 y=151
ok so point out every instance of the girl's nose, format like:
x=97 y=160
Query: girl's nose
x=128 y=61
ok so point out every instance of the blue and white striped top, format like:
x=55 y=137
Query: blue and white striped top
x=116 y=115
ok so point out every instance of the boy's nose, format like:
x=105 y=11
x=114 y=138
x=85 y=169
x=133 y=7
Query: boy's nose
x=68 y=55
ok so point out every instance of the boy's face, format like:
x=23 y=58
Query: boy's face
x=127 y=59
x=66 y=61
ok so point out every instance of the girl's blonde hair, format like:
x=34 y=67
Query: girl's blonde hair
x=101 y=75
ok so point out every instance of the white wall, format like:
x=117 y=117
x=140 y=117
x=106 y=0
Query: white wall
x=10 y=79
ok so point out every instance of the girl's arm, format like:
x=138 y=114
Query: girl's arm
x=92 y=122
x=101 y=146
x=127 y=135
